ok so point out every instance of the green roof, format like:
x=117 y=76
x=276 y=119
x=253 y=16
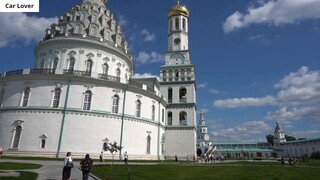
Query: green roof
x=243 y=150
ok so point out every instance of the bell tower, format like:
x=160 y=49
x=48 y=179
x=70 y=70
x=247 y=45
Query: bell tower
x=177 y=80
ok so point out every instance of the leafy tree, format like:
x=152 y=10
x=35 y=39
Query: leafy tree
x=270 y=138
x=290 y=138
x=112 y=147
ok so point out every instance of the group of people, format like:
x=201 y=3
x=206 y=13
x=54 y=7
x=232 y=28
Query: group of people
x=291 y=160
x=85 y=164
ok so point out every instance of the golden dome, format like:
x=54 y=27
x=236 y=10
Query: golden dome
x=104 y=1
x=178 y=10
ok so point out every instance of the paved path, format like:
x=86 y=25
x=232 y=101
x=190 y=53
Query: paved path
x=51 y=170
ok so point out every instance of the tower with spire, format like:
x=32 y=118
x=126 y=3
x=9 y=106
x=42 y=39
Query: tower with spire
x=177 y=80
x=279 y=135
x=203 y=142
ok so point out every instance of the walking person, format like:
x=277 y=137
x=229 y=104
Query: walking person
x=68 y=164
x=101 y=157
x=86 y=164
x=125 y=158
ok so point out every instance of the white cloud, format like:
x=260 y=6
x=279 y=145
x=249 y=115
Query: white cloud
x=144 y=75
x=298 y=96
x=204 y=110
x=18 y=27
x=243 y=132
x=202 y=85
x=147 y=58
x=122 y=21
x=243 y=102
x=274 y=13
x=215 y=91
x=147 y=35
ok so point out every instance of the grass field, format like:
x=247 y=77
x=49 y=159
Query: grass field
x=20 y=166
x=239 y=170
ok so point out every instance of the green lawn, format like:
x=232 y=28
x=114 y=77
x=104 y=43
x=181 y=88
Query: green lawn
x=23 y=176
x=242 y=170
x=20 y=166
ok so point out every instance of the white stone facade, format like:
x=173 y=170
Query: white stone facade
x=81 y=94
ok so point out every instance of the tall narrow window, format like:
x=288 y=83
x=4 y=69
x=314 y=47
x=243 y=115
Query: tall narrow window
x=89 y=67
x=26 y=95
x=118 y=72
x=183 y=118
x=87 y=100
x=184 y=24
x=77 y=29
x=93 y=18
x=16 y=137
x=71 y=64
x=105 y=69
x=43 y=143
x=56 y=98
x=162 y=115
x=138 y=108
x=169 y=118
x=177 y=23
x=92 y=31
x=148 y=144
x=182 y=95
x=170 y=25
x=55 y=63
x=170 y=95
x=153 y=109
x=1 y=96
x=82 y=17
x=115 y=104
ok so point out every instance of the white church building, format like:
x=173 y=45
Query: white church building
x=81 y=92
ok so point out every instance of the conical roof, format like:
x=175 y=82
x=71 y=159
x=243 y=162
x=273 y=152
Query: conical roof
x=90 y=21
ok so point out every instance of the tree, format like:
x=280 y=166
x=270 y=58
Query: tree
x=113 y=148
x=270 y=138
x=290 y=138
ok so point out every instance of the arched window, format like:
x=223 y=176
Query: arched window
x=177 y=23
x=170 y=25
x=89 y=67
x=170 y=75
x=93 y=18
x=71 y=64
x=118 y=72
x=76 y=29
x=87 y=100
x=1 y=96
x=82 y=17
x=183 y=118
x=115 y=104
x=92 y=31
x=169 y=118
x=43 y=140
x=26 y=95
x=138 y=108
x=55 y=63
x=153 y=112
x=56 y=98
x=170 y=95
x=16 y=136
x=105 y=69
x=182 y=95
x=148 y=144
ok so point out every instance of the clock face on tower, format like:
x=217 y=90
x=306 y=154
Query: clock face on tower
x=176 y=41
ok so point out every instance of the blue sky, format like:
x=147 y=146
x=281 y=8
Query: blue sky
x=257 y=61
